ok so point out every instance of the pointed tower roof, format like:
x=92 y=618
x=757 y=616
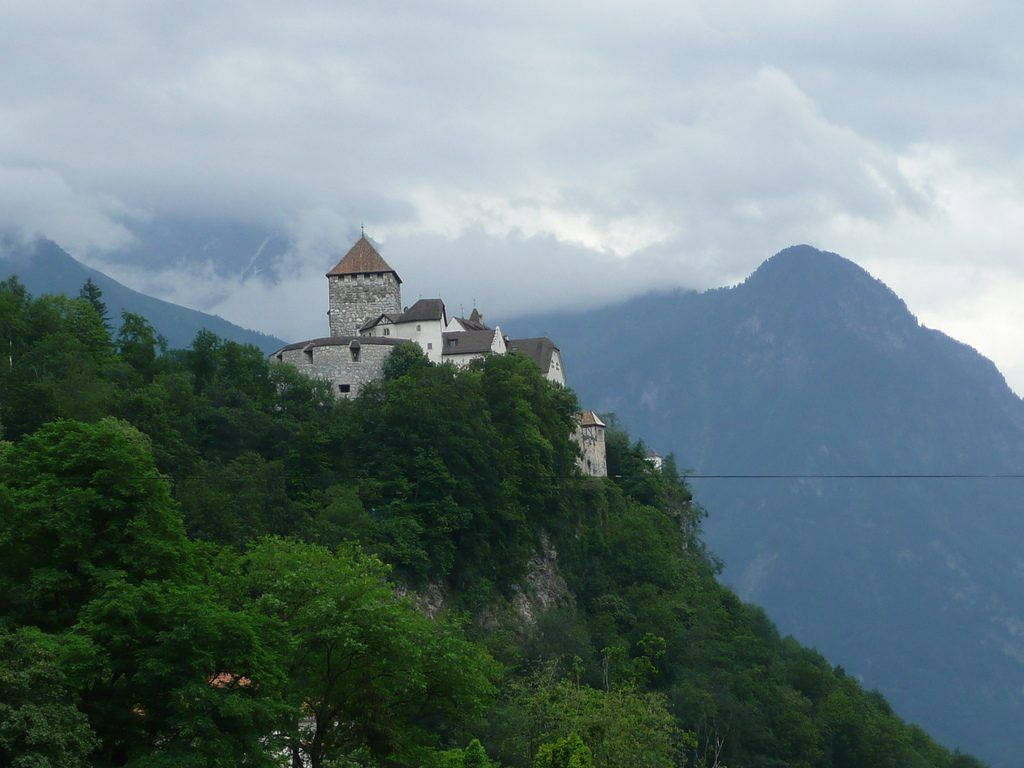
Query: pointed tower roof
x=361 y=259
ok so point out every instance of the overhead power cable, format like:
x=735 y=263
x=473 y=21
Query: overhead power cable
x=829 y=476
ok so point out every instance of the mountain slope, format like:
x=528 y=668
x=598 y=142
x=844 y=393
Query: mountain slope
x=43 y=267
x=812 y=366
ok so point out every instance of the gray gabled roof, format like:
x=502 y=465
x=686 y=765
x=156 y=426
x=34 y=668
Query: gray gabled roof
x=374 y=321
x=540 y=350
x=424 y=309
x=466 y=342
x=343 y=341
x=470 y=325
x=590 y=419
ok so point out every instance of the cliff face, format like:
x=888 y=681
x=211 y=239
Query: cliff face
x=811 y=366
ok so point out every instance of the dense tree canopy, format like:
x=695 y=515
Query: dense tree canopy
x=208 y=560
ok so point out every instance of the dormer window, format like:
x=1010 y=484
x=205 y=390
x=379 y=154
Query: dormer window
x=387 y=331
x=453 y=343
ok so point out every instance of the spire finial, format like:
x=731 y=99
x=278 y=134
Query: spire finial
x=362 y=230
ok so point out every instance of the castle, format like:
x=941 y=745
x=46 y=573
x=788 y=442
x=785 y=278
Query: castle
x=367 y=321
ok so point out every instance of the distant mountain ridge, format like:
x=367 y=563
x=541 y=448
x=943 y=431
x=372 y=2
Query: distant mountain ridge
x=812 y=366
x=44 y=267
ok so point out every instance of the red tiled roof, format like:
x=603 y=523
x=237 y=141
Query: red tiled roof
x=362 y=259
x=224 y=679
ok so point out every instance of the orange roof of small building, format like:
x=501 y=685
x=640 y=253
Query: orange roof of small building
x=362 y=259
x=224 y=679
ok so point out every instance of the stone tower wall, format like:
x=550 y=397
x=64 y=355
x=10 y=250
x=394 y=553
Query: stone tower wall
x=354 y=299
x=593 y=461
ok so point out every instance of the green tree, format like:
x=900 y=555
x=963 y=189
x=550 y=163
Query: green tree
x=366 y=673
x=82 y=504
x=620 y=727
x=138 y=344
x=567 y=752
x=177 y=678
x=92 y=547
x=56 y=360
x=92 y=294
x=404 y=360
x=473 y=756
x=40 y=724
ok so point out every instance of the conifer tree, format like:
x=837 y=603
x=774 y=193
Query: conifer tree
x=92 y=293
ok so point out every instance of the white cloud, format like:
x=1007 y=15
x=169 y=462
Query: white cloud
x=37 y=202
x=610 y=148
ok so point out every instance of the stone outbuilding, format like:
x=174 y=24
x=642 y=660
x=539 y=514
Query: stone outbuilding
x=349 y=363
x=590 y=436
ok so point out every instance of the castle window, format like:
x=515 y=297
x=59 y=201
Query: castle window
x=430 y=345
x=355 y=354
x=387 y=331
x=308 y=352
x=344 y=388
x=419 y=327
x=453 y=343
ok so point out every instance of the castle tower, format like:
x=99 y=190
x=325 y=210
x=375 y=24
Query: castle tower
x=361 y=287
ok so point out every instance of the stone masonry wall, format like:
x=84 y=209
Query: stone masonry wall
x=354 y=299
x=335 y=364
x=594 y=460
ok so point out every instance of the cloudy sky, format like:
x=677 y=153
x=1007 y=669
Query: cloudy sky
x=579 y=151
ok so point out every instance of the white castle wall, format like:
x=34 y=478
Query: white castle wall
x=426 y=333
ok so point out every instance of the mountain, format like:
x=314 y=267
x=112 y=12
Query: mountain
x=44 y=267
x=812 y=366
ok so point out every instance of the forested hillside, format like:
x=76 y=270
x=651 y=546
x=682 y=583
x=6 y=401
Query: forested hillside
x=206 y=560
x=811 y=366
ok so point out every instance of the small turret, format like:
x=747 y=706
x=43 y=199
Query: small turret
x=590 y=436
